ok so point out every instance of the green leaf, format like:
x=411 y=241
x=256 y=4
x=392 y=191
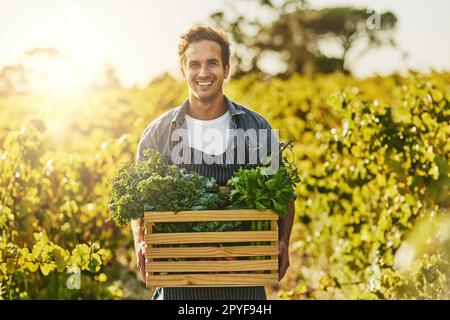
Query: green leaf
x=260 y=206
x=46 y=268
x=60 y=259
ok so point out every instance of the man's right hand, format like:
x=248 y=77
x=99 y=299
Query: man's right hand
x=140 y=257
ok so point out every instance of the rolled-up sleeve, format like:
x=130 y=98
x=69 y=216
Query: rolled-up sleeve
x=147 y=141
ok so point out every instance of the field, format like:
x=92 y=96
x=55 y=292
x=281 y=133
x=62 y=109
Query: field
x=372 y=216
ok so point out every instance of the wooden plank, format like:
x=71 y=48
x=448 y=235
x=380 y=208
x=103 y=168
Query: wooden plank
x=274 y=227
x=211 y=237
x=210 y=215
x=211 y=266
x=148 y=227
x=213 y=252
x=212 y=280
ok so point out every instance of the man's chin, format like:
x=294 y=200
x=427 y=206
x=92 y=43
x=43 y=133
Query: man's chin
x=207 y=97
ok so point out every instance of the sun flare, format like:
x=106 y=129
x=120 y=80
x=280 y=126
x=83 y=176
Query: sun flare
x=55 y=73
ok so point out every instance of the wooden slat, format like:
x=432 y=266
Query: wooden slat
x=210 y=215
x=212 y=280
x=212 y=252
x=211 y=237
x=211 y=266
x=274 y=227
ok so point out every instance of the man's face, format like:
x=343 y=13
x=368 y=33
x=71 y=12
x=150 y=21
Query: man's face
x=203 y=69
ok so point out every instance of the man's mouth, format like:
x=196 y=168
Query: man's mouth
x=204 y=83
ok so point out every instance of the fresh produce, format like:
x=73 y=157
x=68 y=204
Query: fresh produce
x=258 y=188
x=153 y=185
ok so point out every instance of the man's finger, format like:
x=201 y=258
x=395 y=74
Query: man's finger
x=282 y=272
x=142 y=267
x=283 y=262
x=141 y=261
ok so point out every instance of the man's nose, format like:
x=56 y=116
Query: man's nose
x=203 y=71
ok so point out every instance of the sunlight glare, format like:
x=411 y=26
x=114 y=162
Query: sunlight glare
x=55 y=74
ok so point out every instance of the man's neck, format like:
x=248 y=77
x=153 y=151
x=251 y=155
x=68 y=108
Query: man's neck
x=206 y=109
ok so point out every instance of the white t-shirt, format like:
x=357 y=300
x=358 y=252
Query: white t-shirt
x=209 y=136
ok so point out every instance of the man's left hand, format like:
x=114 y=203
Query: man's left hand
x=283 y=259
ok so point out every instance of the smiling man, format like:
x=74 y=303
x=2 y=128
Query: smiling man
x=204 y=69
x=200 y=136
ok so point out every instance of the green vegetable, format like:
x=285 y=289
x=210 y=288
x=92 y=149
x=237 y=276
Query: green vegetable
x=255 y=188
x=153 y=185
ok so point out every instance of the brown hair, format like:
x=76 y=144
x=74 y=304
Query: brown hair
x=196 y=34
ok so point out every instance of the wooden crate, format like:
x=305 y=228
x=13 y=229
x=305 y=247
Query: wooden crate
x=202 y=272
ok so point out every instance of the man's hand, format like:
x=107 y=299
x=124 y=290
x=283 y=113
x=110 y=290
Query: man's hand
x=140 y=257
x=283 y=259
x=284 y=234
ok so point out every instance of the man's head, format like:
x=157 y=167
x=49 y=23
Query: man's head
x=204 y=59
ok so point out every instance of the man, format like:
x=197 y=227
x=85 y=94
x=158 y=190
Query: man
x=206 y=117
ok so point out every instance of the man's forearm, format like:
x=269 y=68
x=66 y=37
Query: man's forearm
x=139 y=247
x=285 y=224
x=138 y=232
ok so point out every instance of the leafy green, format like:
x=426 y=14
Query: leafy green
x=257 y=188
x=153 y=185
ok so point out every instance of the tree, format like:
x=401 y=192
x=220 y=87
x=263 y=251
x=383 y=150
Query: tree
x=12 y=77
x=296 y=34
x=108 y=78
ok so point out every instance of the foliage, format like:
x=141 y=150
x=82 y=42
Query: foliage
x=423 y=260
x=33 y=222
x=294 y=35
x=374 y=158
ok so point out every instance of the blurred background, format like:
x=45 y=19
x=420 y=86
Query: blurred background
x=85 y=44
x=361 y=86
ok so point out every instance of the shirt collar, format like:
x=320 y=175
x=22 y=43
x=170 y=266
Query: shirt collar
x=179 y=114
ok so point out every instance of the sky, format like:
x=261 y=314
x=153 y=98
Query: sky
x=140 y=36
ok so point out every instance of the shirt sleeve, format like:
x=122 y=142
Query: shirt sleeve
x=147 y=141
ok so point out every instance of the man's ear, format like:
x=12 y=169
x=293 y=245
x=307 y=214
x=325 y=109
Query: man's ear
x=182 y=72
x=227 y=71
